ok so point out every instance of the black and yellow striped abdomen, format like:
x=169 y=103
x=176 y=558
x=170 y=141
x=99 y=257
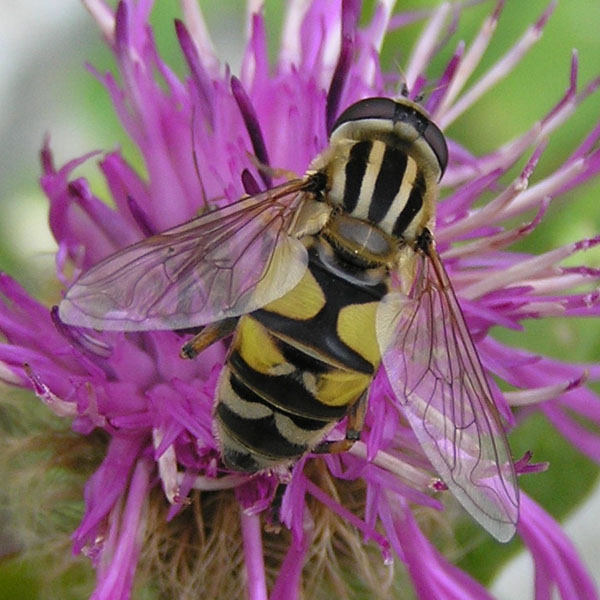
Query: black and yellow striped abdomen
x=298 y=365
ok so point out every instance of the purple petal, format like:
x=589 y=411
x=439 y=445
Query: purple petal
x=287 y=584
x=556 y=561
x=120 y=555
x=432 y=576
x=253 y=557
x=252 y=126
x=350 y=14
x=104 y=488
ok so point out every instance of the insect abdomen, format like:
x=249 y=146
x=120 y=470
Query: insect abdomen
x=295 y=368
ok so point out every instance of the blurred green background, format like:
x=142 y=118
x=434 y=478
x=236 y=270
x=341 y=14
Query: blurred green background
x=45 y=89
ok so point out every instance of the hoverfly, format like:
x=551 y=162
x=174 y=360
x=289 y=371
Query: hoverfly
x=321 y=280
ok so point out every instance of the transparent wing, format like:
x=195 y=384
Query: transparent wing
x=221 y=264
x=435 y=372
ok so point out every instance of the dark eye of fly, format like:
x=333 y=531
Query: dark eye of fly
x=437 y=142
x=390 y=110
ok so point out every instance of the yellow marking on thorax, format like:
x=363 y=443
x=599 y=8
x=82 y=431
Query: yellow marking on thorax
x=335 y=160
x=256 y=346
x=356 y=328
x=399 y=202
x=301 y=303
x=338 y=181
x=368 y=182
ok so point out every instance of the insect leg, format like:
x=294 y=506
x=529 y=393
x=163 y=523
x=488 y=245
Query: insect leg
x=273 y=523
x=273 y=172
x=209 y=335
x=356 y=421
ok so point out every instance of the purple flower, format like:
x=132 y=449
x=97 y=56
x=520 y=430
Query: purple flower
x=199 y=138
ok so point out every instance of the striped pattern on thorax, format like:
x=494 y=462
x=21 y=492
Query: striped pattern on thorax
x=380 y=183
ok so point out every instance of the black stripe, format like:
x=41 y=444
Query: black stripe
x=259 y=435
x=285 y=393
x=301 y=360
x=320 y=332
x=389 y=178
x=240 y=461
x=245 y=393
x=412 y=207
x=355 y=171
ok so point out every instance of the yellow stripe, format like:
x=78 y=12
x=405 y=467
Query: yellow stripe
x=301 y=303
x=256 y=346
x=339 y=388
x=241 y=407
x=356 y=328
x=368 y=183
x=337 y=182
x=408 y=181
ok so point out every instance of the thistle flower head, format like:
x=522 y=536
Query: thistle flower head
x=161 y=496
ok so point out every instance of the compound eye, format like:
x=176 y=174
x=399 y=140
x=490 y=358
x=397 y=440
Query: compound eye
x=437 y=142
x=370 y=108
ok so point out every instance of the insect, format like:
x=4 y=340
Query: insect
x=321 y=280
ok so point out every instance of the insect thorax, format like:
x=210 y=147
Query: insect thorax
x=384 y=170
